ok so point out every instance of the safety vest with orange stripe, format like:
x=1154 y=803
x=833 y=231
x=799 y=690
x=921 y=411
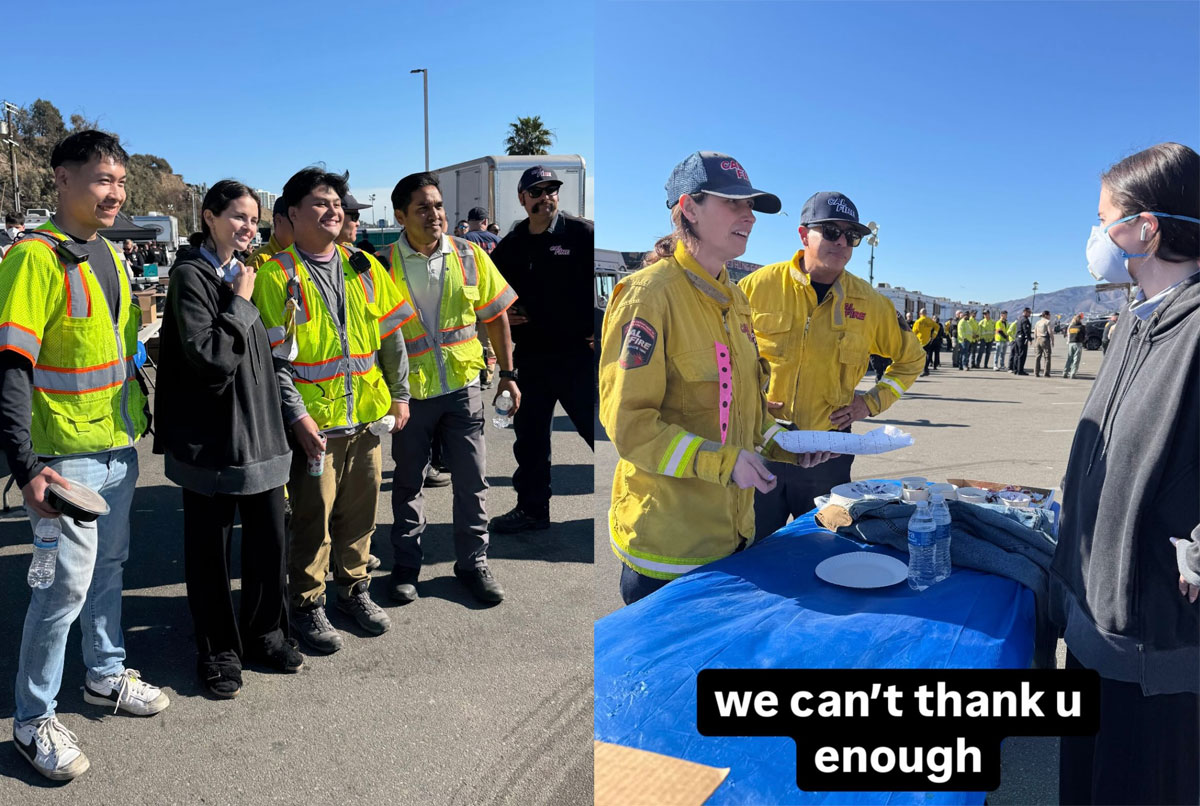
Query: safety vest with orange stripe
x=86 y=398
x=446 y=355
x=334 y=368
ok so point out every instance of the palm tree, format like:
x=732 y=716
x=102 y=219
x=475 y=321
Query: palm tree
x=528 y=136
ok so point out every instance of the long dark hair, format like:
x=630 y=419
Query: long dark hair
x=218 y=199
x=1162 y=179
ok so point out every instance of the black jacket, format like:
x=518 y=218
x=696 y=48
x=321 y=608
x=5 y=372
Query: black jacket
x=1024 y=330
x=1133 y=482
x=552 y=274
x=217 y=411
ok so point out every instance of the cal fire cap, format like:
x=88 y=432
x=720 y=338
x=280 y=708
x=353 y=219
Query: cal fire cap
x=535 y=176
x=720 y=175
x=829 y=205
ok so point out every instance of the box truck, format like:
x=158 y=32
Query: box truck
x=491 y=183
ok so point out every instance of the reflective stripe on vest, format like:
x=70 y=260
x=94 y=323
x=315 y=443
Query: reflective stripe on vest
x=466 y=259
x=294 y=289
x=79 y=301
x=458 y=335
x=276 y=335
x=55 y=380
x=321 y=371
x=20 y=340
x=395 y=319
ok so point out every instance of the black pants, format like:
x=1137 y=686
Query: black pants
x=207 y=542
x=930 y=352
x=1020 y=353
x=1144 y=752
x=795 y=490
x=544 y=383
x=880 y=364
x=937 y=355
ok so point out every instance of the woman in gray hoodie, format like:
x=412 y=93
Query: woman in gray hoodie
x=1126 y=574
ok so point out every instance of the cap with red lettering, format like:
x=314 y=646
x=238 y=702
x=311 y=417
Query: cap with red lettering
x=720 y=175
x=536 y=176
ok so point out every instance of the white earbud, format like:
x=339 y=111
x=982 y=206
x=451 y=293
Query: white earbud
x=1144 y=228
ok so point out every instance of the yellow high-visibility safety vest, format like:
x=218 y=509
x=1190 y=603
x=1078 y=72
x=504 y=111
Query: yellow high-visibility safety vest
x=86 y=398
x=340 y=381
x=446 y=355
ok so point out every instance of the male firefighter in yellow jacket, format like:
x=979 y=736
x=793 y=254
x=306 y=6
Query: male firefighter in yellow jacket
x=281 y=236
x=817 y=325
x=333 y=315
x=453 y=287
x=71 y=412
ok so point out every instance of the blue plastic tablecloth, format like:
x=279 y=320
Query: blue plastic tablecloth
x=766 y=608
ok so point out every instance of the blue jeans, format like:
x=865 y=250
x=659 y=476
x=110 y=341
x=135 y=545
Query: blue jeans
x=1001 y=354
x=87 y=584
x=1073 y=351
x=965 y=351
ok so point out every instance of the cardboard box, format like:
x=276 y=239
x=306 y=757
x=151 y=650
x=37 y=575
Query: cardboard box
x=146 y=301
x=625 y=776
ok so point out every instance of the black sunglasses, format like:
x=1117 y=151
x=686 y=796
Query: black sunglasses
x=536 y=192
x=831 y=232
x=352 y=215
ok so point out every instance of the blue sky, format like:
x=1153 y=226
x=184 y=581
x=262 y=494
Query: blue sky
x=257 y=90
x=974 y=133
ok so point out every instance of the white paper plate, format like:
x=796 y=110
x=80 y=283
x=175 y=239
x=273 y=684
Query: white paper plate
x=862 y=569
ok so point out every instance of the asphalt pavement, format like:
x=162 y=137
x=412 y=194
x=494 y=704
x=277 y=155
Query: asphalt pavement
x=977 y=424
x=457 y=704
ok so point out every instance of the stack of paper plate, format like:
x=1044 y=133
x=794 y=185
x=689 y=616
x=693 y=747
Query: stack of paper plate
x=846 y=494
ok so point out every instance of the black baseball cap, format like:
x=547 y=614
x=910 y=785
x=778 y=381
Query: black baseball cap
x=718 y=174
x=351 y=203
x=536 y=176
x=829 y=205
x=477 y=214
x=280 y=208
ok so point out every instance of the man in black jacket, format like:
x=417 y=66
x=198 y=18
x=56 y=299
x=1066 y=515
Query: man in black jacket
x=548 y=259
x=1021 y=345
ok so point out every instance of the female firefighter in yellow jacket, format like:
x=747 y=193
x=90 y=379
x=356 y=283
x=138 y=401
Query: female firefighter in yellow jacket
x=682 y=387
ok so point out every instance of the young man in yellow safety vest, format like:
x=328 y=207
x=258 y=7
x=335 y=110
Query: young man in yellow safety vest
x=71 y=411
x=333 y=315
x=453 y=286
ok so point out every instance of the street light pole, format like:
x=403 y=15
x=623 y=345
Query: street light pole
x=372 y=205
x=1033 y=304
x=873 y=240
x=12 y=154
x=425 y=83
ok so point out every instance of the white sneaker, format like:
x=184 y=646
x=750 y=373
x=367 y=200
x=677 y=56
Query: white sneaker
x=51 y=748
x=127 y=692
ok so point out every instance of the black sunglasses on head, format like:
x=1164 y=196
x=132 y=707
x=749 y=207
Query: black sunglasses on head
x=831 y=232
x=536 y=192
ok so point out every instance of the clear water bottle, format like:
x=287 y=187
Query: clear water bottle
x=941 y=520
x=504 y=405
x=45 y=553
x=922 y=537
x=382 y=427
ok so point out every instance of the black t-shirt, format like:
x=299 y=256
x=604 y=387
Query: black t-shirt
x=101 y=260
x=821 y=288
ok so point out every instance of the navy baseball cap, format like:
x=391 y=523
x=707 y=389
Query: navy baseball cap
x=351 y=203
x=477 y=214
x=280 y=208
x=720 y=175
x=535 y=176
x=829 y=205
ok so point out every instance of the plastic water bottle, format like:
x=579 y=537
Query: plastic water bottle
x=45 y=553
x=941 y=520
x=922 y=537
x=503 y=407
x=382 y=427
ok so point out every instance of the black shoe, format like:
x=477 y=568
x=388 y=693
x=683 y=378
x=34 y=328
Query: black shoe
x=362 y=608
x=277 y=653
x=221 y=674
x=1022 y=373
x=373 y=563
x=517 y=520
x=437 y=477
x=402 y=586
x=481 y=583
x=313 y=627
x=923 y=374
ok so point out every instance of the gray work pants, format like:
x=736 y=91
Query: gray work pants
x=457 y=419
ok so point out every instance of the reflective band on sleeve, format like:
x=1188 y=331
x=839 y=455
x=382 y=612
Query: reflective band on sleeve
x=679 y=454
x=458 y=335
x=20 y=340
x=76 y=381
x=394 y=319
x=276 y=335
x=658 y=570
x=892 y=384
x=493 y=308
x=770 y=433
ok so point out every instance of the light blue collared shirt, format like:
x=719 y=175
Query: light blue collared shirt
x=1144 y=308
x=221 y=269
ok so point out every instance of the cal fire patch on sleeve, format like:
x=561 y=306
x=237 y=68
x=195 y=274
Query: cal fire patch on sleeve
x=640 y=338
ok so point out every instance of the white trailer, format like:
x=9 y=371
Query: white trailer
x=491 y=183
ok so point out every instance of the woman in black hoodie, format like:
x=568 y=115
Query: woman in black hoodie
x=1126 y=573
x=219 y=422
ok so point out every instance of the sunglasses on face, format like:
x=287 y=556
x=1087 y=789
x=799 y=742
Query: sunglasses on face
x=352 y=215
x=536 y=192
x=831 y=232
